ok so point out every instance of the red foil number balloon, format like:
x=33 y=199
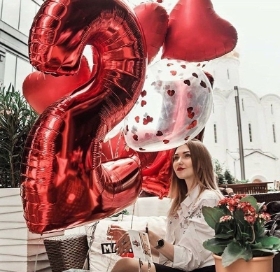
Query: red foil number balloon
x=64 y=182
x=55 y=87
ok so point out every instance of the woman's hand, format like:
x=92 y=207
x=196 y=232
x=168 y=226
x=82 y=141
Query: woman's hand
x=123 y=245
x=115 y=232
x=121 y=237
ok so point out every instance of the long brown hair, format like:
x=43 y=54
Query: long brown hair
x=204 y=175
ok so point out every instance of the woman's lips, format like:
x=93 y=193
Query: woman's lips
x=180 y=169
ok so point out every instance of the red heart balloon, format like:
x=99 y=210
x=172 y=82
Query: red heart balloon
x=196 y=33
x=41 y=90
x=152 y=14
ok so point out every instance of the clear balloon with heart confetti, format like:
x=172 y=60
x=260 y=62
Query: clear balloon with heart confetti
x=174 y=106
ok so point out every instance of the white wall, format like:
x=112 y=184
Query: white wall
x=261 y=113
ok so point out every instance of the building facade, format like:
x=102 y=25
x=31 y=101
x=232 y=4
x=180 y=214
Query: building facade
x=260 y=125
x=16 y=18
x=260 y=116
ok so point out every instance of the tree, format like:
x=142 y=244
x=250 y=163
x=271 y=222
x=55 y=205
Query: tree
x=228 y=177
x=218 y=169
x=16 y=120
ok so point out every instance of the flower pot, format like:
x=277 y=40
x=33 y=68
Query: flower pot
x=257 y=264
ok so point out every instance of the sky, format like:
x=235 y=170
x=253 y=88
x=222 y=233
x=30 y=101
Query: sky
x=256 y=22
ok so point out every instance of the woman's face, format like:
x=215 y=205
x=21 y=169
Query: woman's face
x=182 y=163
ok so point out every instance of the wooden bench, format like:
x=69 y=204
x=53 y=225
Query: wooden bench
x=248 y=188
x=268 y=197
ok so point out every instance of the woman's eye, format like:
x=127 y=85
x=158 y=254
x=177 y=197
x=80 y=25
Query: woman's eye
x=187 y=155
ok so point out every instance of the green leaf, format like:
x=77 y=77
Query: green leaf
x=251 y=200
x=224 y=230
x=235 y=251
x=262 y=252
x=269 y=242
x=239 y=216
x=212 y=215
x=259 y=228
x=215 y=245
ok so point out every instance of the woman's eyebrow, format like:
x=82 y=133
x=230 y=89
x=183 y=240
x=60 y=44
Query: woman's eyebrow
x=185 y=152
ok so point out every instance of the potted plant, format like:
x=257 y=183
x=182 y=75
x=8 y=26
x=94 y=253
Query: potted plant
x=240 y=234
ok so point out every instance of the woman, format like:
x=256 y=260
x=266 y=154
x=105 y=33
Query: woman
x=193 y=186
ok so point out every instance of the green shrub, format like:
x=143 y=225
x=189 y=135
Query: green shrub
x=228 y=177
x=16 y=120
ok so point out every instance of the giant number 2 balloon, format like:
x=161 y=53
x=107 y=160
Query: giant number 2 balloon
x=64 y=182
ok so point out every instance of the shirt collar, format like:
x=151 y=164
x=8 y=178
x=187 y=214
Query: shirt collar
x=192 y=197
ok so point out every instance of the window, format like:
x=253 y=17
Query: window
x=23 y=69
x=271 y=109
x=274 y=134
x=10 y=69
x=215 y=133
x=213 y=108
x=27 y=13
x=16 y=70
x=10 y=13
x=19 y=14
x=250 y=133
x=242 y=104
x=37 y=8
x=38 y=2
x=1 y=6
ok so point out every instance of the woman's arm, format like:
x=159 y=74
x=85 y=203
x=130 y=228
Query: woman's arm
x=167 y=250
x=189 y=252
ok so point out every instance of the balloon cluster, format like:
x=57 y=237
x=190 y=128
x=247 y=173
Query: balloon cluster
x=105 y=133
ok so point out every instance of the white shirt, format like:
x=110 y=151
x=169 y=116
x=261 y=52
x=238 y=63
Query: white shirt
x=188 y=230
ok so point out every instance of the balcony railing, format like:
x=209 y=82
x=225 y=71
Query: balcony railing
x=248 y=188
